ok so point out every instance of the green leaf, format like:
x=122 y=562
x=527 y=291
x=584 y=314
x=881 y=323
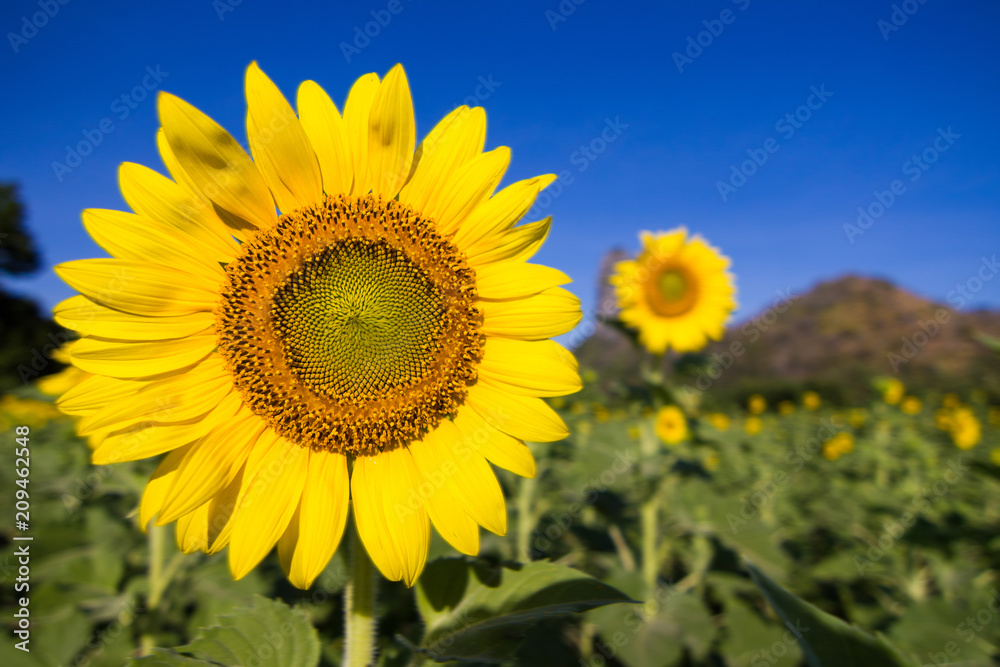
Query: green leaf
x=826 y=640
x=268 y=633
x=475 y=611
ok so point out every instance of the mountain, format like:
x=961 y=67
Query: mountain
x=834 y=338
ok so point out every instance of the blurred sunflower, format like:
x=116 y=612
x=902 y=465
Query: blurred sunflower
x=756 y=404
x=838 y=445
x=811 y=400
x=382 y=331
x=857 y=417
x=965 y=428
x=676 y=293
x=911 y=405
x=951 y=400
x=753 y=425
x=786 y=408
x=893 y=391
x=719 y=420
x=671 y=425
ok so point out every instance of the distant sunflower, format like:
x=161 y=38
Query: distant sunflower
x=966 y=431
x=676 y=293
x=373 y=343
x=671 y=425
x=811 y=400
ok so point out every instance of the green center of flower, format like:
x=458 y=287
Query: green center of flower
x=358 y=319
x=672 y=286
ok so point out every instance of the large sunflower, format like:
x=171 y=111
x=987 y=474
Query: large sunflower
x=677 y=292
x=372 y=343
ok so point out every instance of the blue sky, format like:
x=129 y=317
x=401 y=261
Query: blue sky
x=865 y=98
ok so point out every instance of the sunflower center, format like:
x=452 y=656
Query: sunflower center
x=350 y=325
x=358 y=319
x=672 y=292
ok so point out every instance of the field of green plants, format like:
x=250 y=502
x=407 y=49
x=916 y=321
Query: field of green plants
x=884 y=515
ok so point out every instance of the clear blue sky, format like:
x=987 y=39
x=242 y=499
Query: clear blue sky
x=556 y=85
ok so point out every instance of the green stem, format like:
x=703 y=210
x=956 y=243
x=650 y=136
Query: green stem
x=359 y=607
x=525 y=517
x=650 y=539
x=154 y=541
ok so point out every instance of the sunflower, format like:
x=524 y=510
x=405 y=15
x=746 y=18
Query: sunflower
x=892 y=391
x=753 y=425
x=911 y=405
x=966 y=431
x=677 y=292
x=811 y=400
x=337 y=322
x=756 y=404
x=671 y=425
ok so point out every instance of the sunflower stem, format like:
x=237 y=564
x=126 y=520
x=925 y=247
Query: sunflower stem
x=650 y=539
x=359 y=607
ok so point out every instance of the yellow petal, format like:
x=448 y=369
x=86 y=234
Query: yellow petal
x=315 y=531
x=454 y=141
x=392 y=132
x=132 y=237
x=155 y=196
x=143 y=359
x=221 y=511
x=444 y=506
x=147 y=439
x=531 y=368
x=92 y=319
x=280 y=147
x=452 y=464
x=210 y=465
x=137 y=287
x=216 y=163
x=501 y=212
x=192 y=530
x=512 y=280
x=390 y=515
x=276 y=489
x=550 y=313
x=172 y=399
x=466 y=188
x=499 y=448
x=517 y=244
x=95 y=392
x=158 y=485
x=524 y=417
x=328 y=135
x=356 y=113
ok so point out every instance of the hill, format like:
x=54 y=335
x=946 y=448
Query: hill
x=835 y=338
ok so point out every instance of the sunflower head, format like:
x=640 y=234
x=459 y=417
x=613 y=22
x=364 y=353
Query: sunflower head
x=676 y=293
x=911 y=405
x=340 y=321
x=671 y=425
x=966 y=431
x=756 y=404
x=811 y=400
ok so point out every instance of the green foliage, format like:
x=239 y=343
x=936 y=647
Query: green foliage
x=473 y=611
x=267 y=633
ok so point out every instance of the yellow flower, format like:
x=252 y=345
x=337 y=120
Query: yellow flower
x=711 y=461
x=671 y=425
x=719 y=420
x=16 y=411
x=911 y=405
x=786 y=408
x=893 y=392
x=995 y=456
x=753 y=425
x=811 y=400
x=676 y=293
x=942 y=418
x=601 y=413
x=965 y=428
x=857 y=416
x=756 y=404
x=838 y=445
x=950 y=400
x=382 y=335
